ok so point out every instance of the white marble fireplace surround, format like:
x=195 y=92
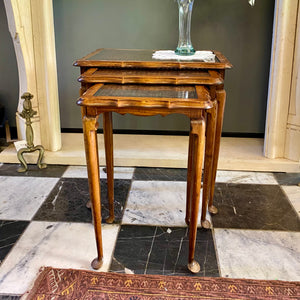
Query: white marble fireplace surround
x=31 y=27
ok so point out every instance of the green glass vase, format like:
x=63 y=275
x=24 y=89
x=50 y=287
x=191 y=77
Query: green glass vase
x=185 y=46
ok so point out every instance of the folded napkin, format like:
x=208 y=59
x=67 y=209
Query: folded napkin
x=206 y=56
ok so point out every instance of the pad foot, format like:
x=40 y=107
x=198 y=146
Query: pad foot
x=97 y=264
x=205 y=224
x=213 y=210
x=194 y=267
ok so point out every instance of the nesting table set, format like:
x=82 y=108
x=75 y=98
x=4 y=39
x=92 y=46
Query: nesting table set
x=132 y=82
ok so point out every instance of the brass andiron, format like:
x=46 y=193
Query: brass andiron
x=27 y=114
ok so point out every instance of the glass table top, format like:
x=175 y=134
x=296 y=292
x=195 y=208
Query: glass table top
x=127 y=55
x=143 y=58
x=142 y=91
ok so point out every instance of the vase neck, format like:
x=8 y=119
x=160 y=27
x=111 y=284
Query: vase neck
x=185 y=16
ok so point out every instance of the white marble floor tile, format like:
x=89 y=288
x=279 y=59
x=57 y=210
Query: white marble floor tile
x=245 y=177
x=160 y=203
x=293 y=193
x=62 y=245
x=81 y=172
x=21 y=197
x=270 y=255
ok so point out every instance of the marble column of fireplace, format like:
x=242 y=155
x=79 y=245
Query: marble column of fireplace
x=282 y=134
x=31 y=26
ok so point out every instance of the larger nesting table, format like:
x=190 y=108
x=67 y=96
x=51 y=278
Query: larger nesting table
x=132 y=82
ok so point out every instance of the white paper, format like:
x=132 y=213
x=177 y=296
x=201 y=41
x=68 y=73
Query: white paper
x=206 y=56
x=20 y=144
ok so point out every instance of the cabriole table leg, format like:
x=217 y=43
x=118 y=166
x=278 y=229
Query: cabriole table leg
x=198 y=131
x=90 y=126
x=221 y=99
x=108 y=141
x=190 y=178
x=208 y=162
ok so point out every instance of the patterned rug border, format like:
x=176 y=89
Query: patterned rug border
x=103 y=285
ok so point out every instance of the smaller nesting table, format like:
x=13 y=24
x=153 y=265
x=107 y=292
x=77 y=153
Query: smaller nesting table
x=131 y=82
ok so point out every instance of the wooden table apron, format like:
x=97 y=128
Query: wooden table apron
x=119 y=67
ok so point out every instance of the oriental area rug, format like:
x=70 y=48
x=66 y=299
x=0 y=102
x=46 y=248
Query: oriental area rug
x=79 y=284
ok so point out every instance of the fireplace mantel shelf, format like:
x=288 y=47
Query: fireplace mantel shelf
x=245 y=154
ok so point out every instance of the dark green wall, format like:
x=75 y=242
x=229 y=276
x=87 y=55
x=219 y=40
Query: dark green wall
x=9 y=80
x=242 y=33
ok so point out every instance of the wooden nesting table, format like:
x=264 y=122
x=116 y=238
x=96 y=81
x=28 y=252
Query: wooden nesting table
x=131 y=82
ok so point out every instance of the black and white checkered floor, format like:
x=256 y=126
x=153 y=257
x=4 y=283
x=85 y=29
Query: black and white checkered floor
x=44 y=222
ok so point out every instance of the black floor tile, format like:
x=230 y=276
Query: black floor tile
x=157 y=250
x=252 y=206
x=287 y=178
x=67 y=201
x=9 y=297
x=162 y=174
x=33 y=170
x=10 y=231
